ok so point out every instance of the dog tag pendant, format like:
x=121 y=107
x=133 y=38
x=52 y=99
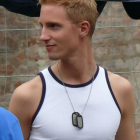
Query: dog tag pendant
x=79 y=121
x=74 y=118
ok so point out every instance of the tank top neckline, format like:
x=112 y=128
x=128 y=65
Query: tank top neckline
x=69 y=85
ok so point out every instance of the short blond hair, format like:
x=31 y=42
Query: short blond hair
x=78 y=11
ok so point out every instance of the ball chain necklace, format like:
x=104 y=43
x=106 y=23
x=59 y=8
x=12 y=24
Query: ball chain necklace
x=77 y=119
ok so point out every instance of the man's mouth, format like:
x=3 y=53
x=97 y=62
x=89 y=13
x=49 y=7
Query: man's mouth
x=49 y=47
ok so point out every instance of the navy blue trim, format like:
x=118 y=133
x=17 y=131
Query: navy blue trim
x=43 y=95
x=73 y=86
x=112 y=93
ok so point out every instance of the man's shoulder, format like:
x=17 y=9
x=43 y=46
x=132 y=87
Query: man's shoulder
x=28 y=93
x=119 y=82
x=29 y=88
x=26 y=98
x=123 y=91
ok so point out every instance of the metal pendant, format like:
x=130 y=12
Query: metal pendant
x=77 y=120
x=74 y=118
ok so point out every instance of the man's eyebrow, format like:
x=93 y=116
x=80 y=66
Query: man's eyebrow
x=51 y=22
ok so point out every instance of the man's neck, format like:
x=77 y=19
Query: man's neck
x=75 y=71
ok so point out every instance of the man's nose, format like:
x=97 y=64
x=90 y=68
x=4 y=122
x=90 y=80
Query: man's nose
x=45 y=35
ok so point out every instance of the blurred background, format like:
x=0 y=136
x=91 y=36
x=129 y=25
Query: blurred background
x=116 y=47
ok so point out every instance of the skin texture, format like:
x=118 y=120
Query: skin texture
x=72 y=46
x=125 y=97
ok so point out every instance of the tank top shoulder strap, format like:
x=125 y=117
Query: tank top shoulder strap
x=42 y=75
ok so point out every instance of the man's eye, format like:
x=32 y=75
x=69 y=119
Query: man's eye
x=53 y=26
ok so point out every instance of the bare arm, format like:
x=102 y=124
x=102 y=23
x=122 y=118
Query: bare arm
x=24 y=103
x=125 y=97
x=19 y=106
x=126 y=129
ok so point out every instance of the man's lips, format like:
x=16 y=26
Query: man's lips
x=49 y=47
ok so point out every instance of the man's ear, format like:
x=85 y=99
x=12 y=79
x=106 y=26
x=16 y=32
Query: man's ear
x=84 y=28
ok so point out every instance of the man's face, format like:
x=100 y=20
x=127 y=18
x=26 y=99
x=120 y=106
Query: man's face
x=59 y=34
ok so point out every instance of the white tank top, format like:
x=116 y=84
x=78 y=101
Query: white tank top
x=53 y=118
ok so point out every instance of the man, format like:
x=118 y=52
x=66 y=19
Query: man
x=75 y=98
x=9 y=126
